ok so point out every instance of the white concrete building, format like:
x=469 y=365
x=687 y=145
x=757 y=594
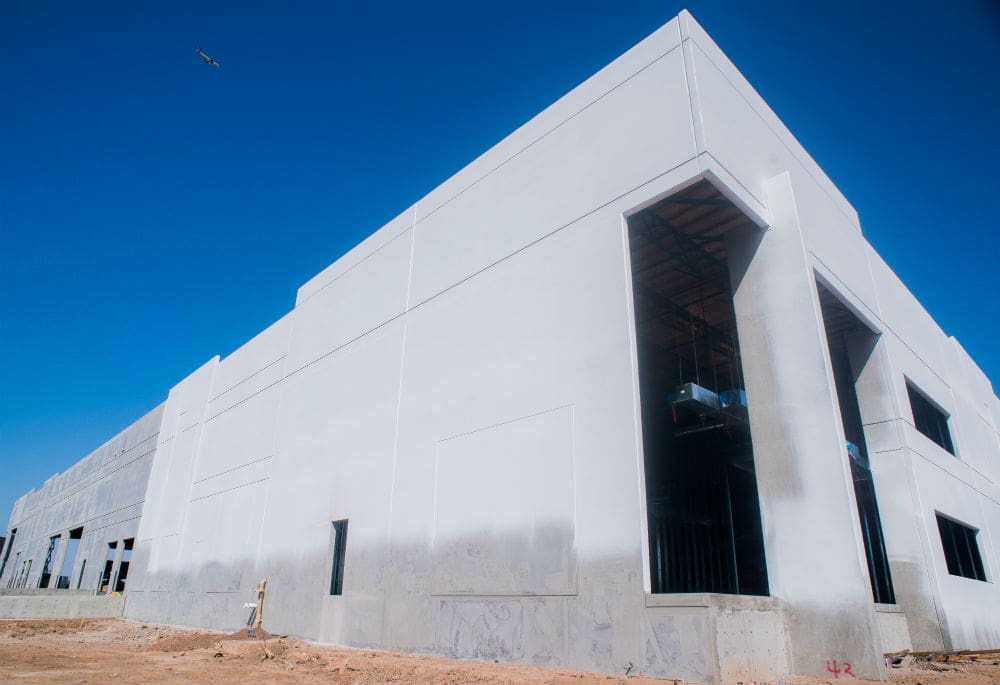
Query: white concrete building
x=588 y=405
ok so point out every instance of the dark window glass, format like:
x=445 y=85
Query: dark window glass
x=871 y=533
x=339 y=547
x=929 y=420
x=961 y=551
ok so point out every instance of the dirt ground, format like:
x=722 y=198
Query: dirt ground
x=105 y=650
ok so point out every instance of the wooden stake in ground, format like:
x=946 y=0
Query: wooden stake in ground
x=259 y=621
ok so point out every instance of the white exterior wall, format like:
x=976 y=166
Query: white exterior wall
x=462 y=387
x=104 y=493
x=914 y=477
x=439 y=348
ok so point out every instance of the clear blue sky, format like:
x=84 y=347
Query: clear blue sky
x=155 y=212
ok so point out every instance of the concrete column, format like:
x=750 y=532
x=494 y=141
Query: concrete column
x=815 y=557
x=898 y=504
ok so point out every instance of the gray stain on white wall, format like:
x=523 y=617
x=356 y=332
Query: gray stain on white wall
x=463 y=388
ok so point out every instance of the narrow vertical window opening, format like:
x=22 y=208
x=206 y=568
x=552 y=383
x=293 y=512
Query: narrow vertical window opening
x=124 y=564
x=43 y=580
x=69 y=560
x=109 y=564
x=6 y=555
x=339 y=548
x=15 y=572
x=846 y=333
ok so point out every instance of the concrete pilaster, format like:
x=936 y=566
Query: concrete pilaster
x=814 y=555
x=896 y=501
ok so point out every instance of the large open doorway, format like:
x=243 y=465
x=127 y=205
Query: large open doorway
x=703 y=511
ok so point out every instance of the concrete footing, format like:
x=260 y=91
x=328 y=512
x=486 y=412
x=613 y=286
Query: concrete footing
x=39 y=605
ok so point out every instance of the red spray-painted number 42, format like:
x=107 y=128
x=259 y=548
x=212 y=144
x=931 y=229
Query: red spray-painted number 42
x=836 y=670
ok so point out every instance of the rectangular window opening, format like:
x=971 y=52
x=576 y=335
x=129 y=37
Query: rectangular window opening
x=123 y=564
x=339 y=549
x=961 y=549
x=928 y=419
x=69 y=560
x=702 y=505
x=6 y=554
x=15 y=572
x=109 y=564
x=25 y=572
x=43 y=580
x=847 y=334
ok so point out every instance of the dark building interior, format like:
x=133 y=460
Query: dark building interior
x=846 y=332
x=703 y=510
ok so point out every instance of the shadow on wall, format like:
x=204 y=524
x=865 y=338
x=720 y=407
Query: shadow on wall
x=742 y=245
x=211 y=596
x=390 y=601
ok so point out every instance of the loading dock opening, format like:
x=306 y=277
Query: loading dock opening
x=703 y=511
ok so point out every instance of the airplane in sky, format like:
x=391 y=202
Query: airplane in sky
x=206 y=59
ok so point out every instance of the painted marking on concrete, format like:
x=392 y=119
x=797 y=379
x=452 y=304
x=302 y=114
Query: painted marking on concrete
x=844 y=667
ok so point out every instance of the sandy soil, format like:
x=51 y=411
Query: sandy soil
x=97 y=651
